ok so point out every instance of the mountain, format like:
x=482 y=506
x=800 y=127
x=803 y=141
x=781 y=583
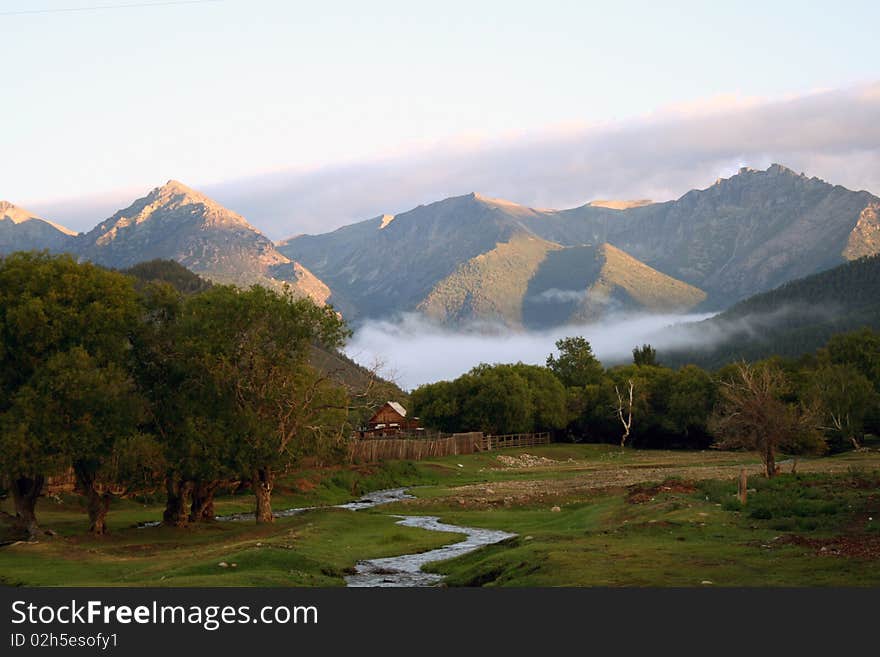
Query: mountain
x=178 y=223
x=582 y=283
x=21 y=230
x=744 y=234
x=476 y=258
x=473 y=257
x=794 y=319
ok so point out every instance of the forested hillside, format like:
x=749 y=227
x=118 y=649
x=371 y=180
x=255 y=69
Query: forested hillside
x=793 y=319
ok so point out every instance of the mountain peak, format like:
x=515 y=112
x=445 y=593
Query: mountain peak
x=176 y=190
x=19 y=215
x=780 y=169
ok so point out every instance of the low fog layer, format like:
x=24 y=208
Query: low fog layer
x=414 y=351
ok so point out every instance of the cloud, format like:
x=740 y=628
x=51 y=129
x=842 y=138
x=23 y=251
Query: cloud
x=414 y=351
x=831 y=134
x=555 y=295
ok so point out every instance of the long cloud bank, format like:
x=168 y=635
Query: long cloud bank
x=832 y=134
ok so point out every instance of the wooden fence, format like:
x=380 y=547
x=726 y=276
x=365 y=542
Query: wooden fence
x=415 y=449
x=515 y=440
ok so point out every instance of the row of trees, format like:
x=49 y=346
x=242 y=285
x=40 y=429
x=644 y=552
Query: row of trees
x=826 y=400
x=135 y=387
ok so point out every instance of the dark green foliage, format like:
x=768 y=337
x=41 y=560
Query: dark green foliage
x=645 y=355
x=576 y=365
x=798 y=318
x=65 y=391
x=168 y=271
x=496 y=399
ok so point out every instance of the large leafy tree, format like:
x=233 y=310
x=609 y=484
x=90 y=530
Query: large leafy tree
x=575 y=365
x=247 y=351
x=89 y=414
x=843 y=397
x=190 y=409
x=51 y=309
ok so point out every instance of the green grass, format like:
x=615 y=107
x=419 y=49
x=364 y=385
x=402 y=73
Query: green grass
x=313 y=549
x=679 y=537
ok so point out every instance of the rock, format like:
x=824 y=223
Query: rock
x=233 y=565
x=223 y=564
x=528 y=538
x=707 y=582
x=555 y=509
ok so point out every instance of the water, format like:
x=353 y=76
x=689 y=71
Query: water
x=368 y=501
x=406 y=570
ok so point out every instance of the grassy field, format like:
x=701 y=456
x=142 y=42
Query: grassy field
x=585 y=515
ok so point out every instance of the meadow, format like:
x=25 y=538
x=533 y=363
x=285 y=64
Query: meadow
x=584 y=515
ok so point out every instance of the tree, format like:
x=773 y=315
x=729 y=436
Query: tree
x=50 y=305
x=548 y=397
x=861 y=349
x=437 y=404
x=843 y=397
x=576 y=365
x=253 y=347
x=751 y=414
x=691 y=397
x=82 y=409
x=190 y=410
x=625 y=409
x=495 y=399
x=645 y=355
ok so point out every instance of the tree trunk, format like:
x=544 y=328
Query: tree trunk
x=770 y=462
x=177 y=502
x=202 y=508
x=262 y=483
x=98 y=506
x=25 y=491
x=97 y=503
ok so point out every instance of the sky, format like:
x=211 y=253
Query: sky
x=306 y=116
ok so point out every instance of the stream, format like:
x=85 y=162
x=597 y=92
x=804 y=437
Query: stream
x=406 y=569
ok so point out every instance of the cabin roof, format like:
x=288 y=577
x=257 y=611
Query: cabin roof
x=397 y=407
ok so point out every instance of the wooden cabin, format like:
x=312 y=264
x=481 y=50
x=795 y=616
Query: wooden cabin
x=389 y=421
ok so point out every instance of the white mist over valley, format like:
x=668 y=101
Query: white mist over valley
x=413 y=351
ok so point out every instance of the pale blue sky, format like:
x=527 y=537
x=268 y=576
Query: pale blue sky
x=99 y=101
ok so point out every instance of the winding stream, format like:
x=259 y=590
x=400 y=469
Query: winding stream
x=406 y=569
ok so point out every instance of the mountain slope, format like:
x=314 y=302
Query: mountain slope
x=471 y=258
x=582 y=283
x=491 y=286
x=178 y=223
x=793 y=319
x=21 y=230
x=742 y=235
x=391 y=264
